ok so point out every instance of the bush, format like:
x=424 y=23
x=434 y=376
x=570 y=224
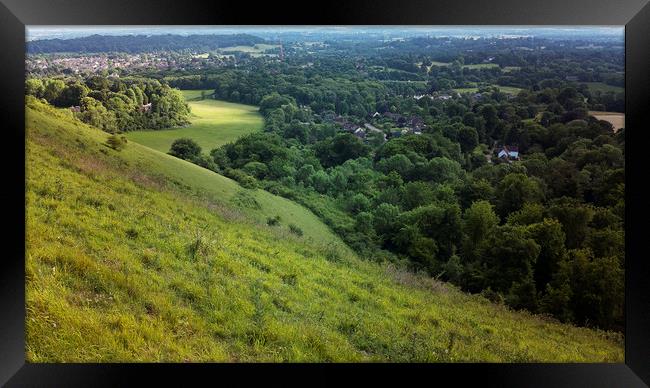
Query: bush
x=116 y=142
x=185 y=148
x=295 y=230
x=242 y=178
x=273 y=221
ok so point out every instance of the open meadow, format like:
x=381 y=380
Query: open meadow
x=213 y=123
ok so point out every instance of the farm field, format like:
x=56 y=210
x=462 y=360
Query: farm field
x=127 y=261
x=617 y=119
x=213 y=123
x=255 y=49
x=602 y=87
x=505 y=89
x=474 y=66
x=481 y=66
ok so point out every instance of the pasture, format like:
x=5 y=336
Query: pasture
x=505 y=89
x=603 y=88
x=213 y=123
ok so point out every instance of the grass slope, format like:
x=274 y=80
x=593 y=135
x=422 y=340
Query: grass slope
x=213 y=123
x=122 y=266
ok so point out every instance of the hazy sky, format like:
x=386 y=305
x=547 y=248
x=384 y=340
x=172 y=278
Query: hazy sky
x=67 y=32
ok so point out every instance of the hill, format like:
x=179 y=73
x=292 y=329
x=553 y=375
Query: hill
x=140 y=43
x=213 y=123
x=133 y=255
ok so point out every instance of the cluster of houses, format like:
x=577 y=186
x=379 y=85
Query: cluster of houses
x=357 y=130
x=96 y=63
x=408 y=125
x=436 y=96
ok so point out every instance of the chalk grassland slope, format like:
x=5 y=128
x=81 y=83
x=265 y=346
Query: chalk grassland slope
x=213 y=123
x=122 y=266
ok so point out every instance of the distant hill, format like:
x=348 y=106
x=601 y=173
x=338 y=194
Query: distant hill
x=140 y=43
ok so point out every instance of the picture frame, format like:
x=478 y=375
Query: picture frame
x=15 y=15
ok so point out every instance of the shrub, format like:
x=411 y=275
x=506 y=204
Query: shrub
x=116 y=142
x=245 y=200
x=242 y=178
x=273 y=221
x=295 y=230
x=185 y=148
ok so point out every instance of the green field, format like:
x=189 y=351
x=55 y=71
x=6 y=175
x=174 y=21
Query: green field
x=603 y=88
x=138 y=256
x=476 y=66
x=505 y=89
x=481 y=66
x=213 y=123
x=255 y=49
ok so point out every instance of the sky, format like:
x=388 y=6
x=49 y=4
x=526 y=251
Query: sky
x=565 y=32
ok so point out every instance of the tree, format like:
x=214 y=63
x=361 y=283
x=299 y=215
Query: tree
x=358 y=203
x=508 y=256
x=516 y=189
x=399 y=164
x=467 y=138
x=96 y=114
x=52 y=89
x=342 y=147
x=574 y=217
x=549 y=236
x=72 y=94
x=479 y=222
x=185 y=148
x=385 y=220
x=417 y=194
x=34 y=87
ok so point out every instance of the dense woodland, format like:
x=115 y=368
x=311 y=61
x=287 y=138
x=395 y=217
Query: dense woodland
x=544 y=233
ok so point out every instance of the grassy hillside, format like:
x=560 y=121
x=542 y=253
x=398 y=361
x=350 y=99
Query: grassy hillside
x=124 y=266
x=213 y=123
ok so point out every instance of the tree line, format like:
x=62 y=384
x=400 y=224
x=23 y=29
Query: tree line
x=115 y=105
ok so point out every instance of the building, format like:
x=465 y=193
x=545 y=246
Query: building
x=509 y=153
x=145 y=108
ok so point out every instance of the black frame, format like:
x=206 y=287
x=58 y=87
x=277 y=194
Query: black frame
x=15 y=14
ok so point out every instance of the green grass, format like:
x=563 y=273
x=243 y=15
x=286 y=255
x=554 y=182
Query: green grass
x=255 y=49
x=123 y=265
x=505 y=89
x=213 y=123
x=603 y=88
x=481 y=66
x=475 y=66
